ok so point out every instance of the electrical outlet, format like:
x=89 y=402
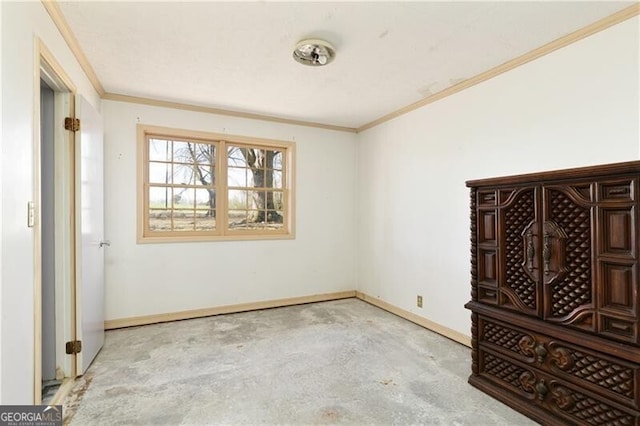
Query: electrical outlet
x=419 y=302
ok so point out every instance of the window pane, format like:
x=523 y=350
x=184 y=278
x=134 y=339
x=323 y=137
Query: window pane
x=205 y=199
x=182 y=152
x=183 y=174
x=237 y=199
x=273 y=179
x=183 y=220
x=159 y=150
x=204 y=153
x=205 y=220
x=236 y=156
x=275 y=219
x=237 y=219
x=237 y=176
x=257 y=200
x=183 y=198
x=260 y=158
x=255 y=217
x=256 y=178
x=277 y=160
x=269 y=158
x=159 y=220
x=159 y=172
x=275 y=200
x=204 y=175
x=159 y=197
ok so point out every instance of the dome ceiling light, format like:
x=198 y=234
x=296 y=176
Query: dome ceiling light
x=314 y=52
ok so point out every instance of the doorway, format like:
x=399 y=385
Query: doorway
x=54 y=249
x=68 y=232
x=50 y=380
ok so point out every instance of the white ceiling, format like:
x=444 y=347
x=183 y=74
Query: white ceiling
x=237 y=55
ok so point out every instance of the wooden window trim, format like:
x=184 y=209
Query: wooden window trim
x=221 y=141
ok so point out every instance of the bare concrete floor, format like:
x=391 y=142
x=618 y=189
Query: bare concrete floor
x=340 y=362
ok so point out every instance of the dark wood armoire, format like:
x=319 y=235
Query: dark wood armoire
x=554 y=288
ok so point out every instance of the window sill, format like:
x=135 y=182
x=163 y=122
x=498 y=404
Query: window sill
x=211 y=238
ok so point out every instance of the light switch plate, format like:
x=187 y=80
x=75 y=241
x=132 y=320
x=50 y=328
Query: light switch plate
x=31 y=214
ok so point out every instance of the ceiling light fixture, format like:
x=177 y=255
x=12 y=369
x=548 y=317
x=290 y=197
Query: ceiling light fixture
x=314 y=52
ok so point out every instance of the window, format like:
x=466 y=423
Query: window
x=201 y=186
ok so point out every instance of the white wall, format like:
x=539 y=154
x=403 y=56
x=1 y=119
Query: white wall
x=22 y=22
x=145 y=279
x=1 y=202
x=576 y=106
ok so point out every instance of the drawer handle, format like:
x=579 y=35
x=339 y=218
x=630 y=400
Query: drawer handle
x=541 y=389
x=530 y=347
x=541 y=352
x=546 y=252
x=531 y=252
x=620 y=326
x=487 y=198
x=619 y=190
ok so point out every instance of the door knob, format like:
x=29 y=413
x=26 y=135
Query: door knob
x=104 y=243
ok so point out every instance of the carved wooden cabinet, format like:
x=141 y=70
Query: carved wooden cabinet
x=555 y=299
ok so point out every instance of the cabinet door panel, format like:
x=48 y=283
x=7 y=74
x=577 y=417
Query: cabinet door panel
x=567 y=248
x=487 y=226
x=617 y=257
x=619 y=293
x=487 y=267
x=519 y=232
x=618 y=231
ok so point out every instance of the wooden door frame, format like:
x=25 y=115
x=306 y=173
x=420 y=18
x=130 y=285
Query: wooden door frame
x=49 y=70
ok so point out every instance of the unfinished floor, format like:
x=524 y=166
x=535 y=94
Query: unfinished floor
x=339 y=362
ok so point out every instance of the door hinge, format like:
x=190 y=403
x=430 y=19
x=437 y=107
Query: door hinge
x=72 y=124
x=74 y=347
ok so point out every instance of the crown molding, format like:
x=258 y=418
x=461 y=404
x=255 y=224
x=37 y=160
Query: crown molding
x=564 y=41
x=218 y=111
x=600 y=25
x=58 y=19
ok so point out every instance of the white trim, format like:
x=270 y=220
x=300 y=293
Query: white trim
x=278 y=303
x=227 y=309
x=421 y=321
x=221 y=111
x=47 y=68
x=600 y=25
x=564 y=41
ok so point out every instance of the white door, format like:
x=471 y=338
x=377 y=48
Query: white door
x=89 y=234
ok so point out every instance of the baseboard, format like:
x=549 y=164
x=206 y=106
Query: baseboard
x=63 y=391
x=417 y=319
x=278 y=303
x=228 y=309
